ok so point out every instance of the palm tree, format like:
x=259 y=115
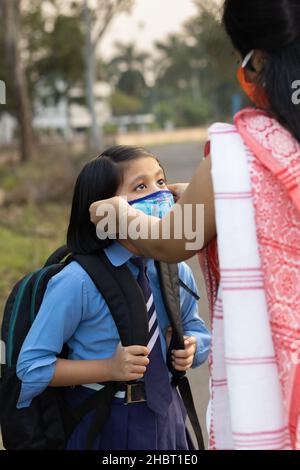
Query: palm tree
x=128 y=69
x=173 y=66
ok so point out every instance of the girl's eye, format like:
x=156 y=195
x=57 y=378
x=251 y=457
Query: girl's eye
x=140 y=187
x=162 y=182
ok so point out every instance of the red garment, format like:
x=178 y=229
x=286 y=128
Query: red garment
x=275 y=177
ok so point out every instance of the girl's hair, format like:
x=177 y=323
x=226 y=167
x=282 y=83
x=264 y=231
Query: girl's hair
x=99 y=179
x=272 y=26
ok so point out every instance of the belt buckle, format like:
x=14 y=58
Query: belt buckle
x=132 y=396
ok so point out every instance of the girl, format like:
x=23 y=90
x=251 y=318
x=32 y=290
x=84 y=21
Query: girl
x=249 y=185
x=74 y=312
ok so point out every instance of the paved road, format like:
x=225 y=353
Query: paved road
x=179 y=161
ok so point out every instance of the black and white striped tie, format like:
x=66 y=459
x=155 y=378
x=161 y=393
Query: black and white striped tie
x=157 y=381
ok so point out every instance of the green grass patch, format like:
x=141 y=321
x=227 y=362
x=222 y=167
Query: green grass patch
x=26 y=240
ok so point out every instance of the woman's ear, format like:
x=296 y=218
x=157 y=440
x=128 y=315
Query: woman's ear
x=257 y=61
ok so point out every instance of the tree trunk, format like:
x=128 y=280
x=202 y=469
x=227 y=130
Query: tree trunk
x=90 y=78
x=11 y=27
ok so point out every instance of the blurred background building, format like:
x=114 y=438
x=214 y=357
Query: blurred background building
x=99 y=68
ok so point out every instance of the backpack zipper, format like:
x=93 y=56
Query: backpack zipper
x=35 y=288
x=13 y=318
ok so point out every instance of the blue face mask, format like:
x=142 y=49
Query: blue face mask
x=156 y=204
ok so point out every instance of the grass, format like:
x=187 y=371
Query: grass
x=28 y=235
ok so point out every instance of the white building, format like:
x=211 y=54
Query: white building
x=66 y=117
x=7 y=128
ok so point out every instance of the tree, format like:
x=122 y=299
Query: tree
x=61 y=66
x=128 y=67
x=213 y=57
x=96 y=21
x=10 y=11
x=123 y=104
x=194 y=82
x=173 y=65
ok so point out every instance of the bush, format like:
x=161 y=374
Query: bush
x=182 y=112
x=123 y=104
x=49 y=179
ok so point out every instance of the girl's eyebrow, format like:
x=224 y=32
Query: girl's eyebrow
x=137 y=178
x=141 y=177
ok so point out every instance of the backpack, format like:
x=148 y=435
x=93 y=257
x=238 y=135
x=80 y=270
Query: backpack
x=48 y=422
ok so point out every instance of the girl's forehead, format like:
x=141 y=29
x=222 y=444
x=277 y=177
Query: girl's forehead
x=143 y=165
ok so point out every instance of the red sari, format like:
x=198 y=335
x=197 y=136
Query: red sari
x=275 y=179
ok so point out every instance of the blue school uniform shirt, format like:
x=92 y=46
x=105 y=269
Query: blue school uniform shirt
x=74 y=312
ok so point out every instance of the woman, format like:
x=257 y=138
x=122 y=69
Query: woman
x=250 y=187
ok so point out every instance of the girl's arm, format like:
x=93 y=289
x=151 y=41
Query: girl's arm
x=64 y=307
x=127 y=364
x=68 y=372
x=172 y=249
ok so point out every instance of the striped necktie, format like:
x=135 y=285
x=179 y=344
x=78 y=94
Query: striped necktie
x=157 y=381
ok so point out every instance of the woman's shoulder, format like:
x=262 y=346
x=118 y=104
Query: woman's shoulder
x=245 y=114
x=221 y=128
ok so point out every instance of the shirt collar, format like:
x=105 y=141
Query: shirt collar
x=118 y=254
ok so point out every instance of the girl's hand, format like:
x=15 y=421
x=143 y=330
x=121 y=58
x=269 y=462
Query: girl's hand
x=177 y=189
x=182 y=359
x=129 y=363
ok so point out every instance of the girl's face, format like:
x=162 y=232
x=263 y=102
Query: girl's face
x=143 y=176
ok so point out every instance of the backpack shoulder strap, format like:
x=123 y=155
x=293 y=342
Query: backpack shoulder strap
x=122 y=294
x=58 y=256
x=169 y=283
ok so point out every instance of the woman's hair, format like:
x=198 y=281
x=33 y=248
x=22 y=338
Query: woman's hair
x=99 y=179
x=272 y=26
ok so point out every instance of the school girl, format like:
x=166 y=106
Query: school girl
x=73 y=312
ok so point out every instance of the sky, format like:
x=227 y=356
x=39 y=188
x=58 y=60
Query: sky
x=150 y=20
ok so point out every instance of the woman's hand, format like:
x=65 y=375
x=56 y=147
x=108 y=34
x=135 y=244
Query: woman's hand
x=182 y=359
x=177 y=189
x=129 y=363
x=116 y=202
x=112 y=212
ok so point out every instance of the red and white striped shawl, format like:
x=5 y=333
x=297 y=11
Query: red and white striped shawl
x=255 y=294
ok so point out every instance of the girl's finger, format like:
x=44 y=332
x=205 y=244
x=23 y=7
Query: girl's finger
x=138 y=370
x=182 y=353
x=139 y=361
x=133 y=377
x=180 y=368
x=190 y=339
x=182 y=362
